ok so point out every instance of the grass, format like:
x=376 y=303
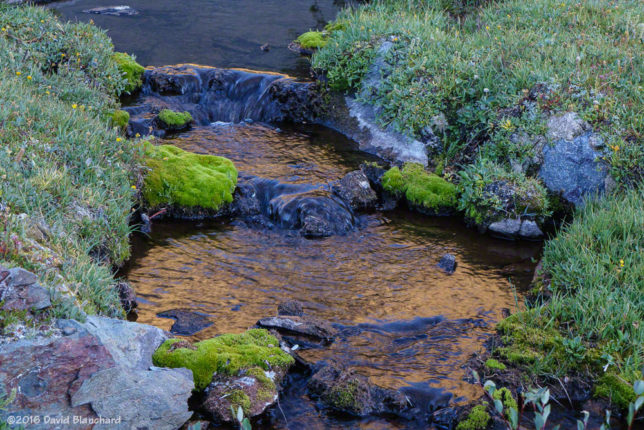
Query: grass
x=65 y=193
x=473 y=69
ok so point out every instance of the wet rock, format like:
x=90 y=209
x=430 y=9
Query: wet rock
x=143 y=398
x=113 y=11
x=448 y=263
x=530 y=230
x=507 y=228
x=345 y=391
x=374 y=173
x=356 y=191
x=20 y=290
x=571 y=165
x=187 y=322
x=290 y=308
x=307 y=326
x=127 y=296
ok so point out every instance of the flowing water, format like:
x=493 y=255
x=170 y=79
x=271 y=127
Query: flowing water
x=403 y=322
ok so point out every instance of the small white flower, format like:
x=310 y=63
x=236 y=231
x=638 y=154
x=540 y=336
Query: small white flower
x=486 y=90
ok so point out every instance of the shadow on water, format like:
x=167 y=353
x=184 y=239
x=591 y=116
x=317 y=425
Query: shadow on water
x=220 y=33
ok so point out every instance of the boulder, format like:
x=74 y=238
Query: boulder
x=290 y=307
x=20 y=290
x=507 y=228
x=345 y=391
x=186 y=322
x=448 y=263
x=530 y=230
x=356 y=191
x=154 y=399
x=301 y=325
x=571 y=165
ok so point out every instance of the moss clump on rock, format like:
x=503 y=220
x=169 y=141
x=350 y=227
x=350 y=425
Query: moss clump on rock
x=312 y=40
x=181 y=178
x=420 y=188
x=228 y=354
x=120 y=118
x=477 y=419
x=174 y=120
x=238 y=398
x=493 y=364
x=130 y=70
x=506 y=398
x=612 y=387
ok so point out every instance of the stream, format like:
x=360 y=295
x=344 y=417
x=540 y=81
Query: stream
x=404 y=323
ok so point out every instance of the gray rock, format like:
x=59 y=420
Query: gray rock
x=356 y=191
x=530 y=230
x=130 y=344
x=571 y=167
x=307 y=326
x=19 y=290
x=290 y=307
x=566 y=126
x=155 y=399
x=448 y=263
x=507 y=228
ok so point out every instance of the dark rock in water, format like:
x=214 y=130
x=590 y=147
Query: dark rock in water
x=426 y=398
x=113 y=11
x=374 y=173
x=307 y=326
x=265 y=47
x=345 y=391
x=290 y=308
x=571 y=165
x=127 y=296
x=448 y=263
x=356 y=191
x=187 y=322
x=448 y=418
x=20 y=290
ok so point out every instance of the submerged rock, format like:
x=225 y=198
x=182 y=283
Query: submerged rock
x=186 y=322
x=448 y=263
x=290 y=307
x=302 y=325
x=355 y=190
x=20 y=290
x=345 y=391
x=113 y=11
x=127 y=296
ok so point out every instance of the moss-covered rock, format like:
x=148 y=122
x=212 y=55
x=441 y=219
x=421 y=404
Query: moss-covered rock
x=493 y=364
x=613 y=387
x=120 y=118
x=312 y=40
x=422 y=190
x=130 y=70
x=187 y=180
x=477 y=419
x=228 y=354
x=506 y=397
x=172 y=120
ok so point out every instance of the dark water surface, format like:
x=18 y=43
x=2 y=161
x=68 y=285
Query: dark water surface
x=380 y=282
x=221 y=33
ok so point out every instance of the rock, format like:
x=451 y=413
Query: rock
x=290 y=308
x=307 y=326
x=356 y=191
x=507 y=228
x=344 y=390
x=187 y=322
x=374 y=173
x=448 y=263
x=530 y=230
x=130 y=344
x=155 y=399
x=127 y=296
x=571 y=165
x=19 y=290
x=113 y=11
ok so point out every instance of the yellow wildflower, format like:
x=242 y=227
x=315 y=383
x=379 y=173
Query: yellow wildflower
x=74 y=106
x=487 y=27
x=18 y=73
x=133 y=187
x=621 y=263
x=29 y=78
x=118 y=139
x=507 y=125
x=137 y=135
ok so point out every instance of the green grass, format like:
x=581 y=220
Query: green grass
x=472 y=67
x=65 y=171
x=188 y=180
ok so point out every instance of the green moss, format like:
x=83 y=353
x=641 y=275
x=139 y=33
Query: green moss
x=344 y=396
x=130 y=70
x=227 y=354
x=175 y=119
x=238 y=398
x=616 y=389
x=312 y=40
x=120 y=118
x=420 y=187
x=491 y=363
x=188 y=180
x=477 y=419
x=506 y=397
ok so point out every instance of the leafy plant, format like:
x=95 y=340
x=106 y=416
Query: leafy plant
x=244 y=423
